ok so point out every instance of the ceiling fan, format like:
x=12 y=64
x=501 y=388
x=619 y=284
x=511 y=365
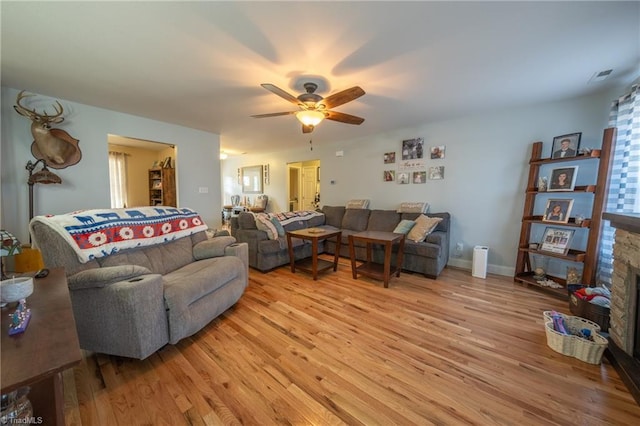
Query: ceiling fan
x=314 y=108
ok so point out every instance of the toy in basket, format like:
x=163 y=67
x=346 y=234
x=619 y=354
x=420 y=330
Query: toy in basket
x=572 y=344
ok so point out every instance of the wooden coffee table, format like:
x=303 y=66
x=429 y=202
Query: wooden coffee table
x=376 y=270
x=313 y=265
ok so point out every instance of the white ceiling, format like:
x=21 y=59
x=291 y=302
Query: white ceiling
x=200 y=64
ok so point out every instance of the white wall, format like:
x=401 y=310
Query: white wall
x=86 y=184
x=486 y=167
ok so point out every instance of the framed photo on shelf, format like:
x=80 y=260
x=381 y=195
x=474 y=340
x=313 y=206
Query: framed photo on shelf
x=563 y=179
x=566 y=146
x=556 y=240
x=558 y=210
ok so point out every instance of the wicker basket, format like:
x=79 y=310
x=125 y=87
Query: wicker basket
x=583 y=308
x=571 y=345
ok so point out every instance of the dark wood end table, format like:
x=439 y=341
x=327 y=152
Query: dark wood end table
x=313 y=265
x=376 y=270
x=49 y=345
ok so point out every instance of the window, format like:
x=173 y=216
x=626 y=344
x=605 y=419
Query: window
x=118 y=179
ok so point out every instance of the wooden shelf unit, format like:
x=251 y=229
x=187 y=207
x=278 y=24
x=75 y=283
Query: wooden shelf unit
x=592 y=225
x=162 y=187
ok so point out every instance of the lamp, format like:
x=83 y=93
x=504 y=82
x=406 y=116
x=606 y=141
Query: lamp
x=10 y=246
x=223 y=155
x=44 y=176
x=310 y=117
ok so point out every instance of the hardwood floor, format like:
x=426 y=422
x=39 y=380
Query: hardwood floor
x=457 y=350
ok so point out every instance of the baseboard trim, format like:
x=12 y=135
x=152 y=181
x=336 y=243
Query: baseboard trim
x=506 y=271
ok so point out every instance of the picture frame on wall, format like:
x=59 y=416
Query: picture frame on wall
x=556 y=240
x=558 y=210
x=413 y=149
x=389 y=175
x=563 y=179
x=437 y=152
x=403 y=178
x=436 y=173
x=566 y=146
x=389 y=157
x=419 y=177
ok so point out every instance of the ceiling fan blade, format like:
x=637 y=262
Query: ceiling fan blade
x=307 y=129
x=273 y=114
x=342 y=97
x=343 y=118
x=278 y=91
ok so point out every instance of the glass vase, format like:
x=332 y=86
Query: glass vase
x=16 y=407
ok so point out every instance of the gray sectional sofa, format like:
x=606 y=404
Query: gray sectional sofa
x=132 y=302
x=428 y=257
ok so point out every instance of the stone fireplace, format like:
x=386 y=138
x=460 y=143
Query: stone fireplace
x=624 y=328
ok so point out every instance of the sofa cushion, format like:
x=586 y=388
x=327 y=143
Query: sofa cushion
x=333 y=215
x=246 y=221
x=357 y=204
x=159 y=259
x=355 y=219
x=442 y=226
x=413 y=207
x=404 y=226
x=424 y=226
x=264 y=224
x=383 y=220
x=212 y=247
x=278 y=226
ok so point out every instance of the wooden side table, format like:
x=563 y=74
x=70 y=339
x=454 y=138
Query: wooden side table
x=376 y=270
x=49 y=345
x=313 y=265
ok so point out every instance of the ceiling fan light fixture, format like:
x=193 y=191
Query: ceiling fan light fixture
x=310 y=118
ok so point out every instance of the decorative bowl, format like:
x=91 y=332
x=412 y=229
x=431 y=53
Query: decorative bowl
x=14 y=289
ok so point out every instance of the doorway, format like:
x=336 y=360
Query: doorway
x=139 y=157
x=303 y=185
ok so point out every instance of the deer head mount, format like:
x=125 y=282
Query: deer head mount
x=54 y=146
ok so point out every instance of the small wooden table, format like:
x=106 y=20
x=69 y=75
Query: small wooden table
x=376 y=270
x=313 y=265
x=49 y=345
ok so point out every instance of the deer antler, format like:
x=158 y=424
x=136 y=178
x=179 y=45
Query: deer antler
x=44 y=119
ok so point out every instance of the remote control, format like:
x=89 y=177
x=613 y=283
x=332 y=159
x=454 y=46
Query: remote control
x=42 y=273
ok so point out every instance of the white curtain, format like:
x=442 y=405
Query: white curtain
x=624 y=184
x=118 y=179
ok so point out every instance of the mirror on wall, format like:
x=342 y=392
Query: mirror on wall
x=251 y=178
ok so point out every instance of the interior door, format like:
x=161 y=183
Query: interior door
x=309 y=186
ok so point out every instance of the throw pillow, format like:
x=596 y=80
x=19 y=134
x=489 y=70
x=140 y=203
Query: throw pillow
x=413 y=207
x=423 y=227
x=264 y=224
x=404 y=226
x=278 y=226
x=357 y=204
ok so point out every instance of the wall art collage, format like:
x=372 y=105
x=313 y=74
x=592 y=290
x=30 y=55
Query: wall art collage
x=412 y=167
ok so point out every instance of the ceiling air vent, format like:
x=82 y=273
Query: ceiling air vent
x=600 y=76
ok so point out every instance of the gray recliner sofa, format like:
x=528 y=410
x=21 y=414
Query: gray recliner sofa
x=428 y=257
x=133 y=302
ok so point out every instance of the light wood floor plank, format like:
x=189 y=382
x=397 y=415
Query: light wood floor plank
x=293 y=351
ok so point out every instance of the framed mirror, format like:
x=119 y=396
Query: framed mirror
x=251 y=179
